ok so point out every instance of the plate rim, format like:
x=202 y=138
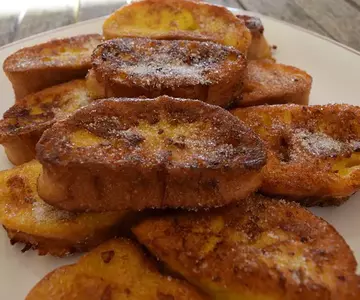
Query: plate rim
x=232 y=9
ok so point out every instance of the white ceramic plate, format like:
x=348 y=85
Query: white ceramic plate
x=335 y=70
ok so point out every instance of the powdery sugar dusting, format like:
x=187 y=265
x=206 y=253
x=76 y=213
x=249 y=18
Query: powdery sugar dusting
x=161 y=70
x=319 y=144
x=44 y=212
x=168 y=63
x=68 y=51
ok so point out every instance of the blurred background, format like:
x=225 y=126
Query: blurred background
x=337 y=19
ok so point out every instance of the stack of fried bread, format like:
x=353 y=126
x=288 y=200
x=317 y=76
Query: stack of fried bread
x=156 y=148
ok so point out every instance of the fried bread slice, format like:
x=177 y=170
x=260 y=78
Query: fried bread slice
x=312 y=150
x=259 y=249
x=186 y=69
x=35 y=68
x=122 y=153
x=259 y=47
x=178 y=20
x=24 y=123
x=115 y=270
x=267 y=82
x=47 y=229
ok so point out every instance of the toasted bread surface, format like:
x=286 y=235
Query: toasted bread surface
x=267 y=82
x=259 y=249
x=35 y=68
x=115 y=270
x=137 y=153
x=259 y=47
x=186 y=69
x=47 y=229
x=312 y=150
x=24 y=122
x=178 y=20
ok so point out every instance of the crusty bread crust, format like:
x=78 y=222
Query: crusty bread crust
x=117 y=154
x=117 y=269
x=24 y=122
x=259 y=47
x=185 y=69
x=27 y=219
x=259 y=249
x=35 y=68
x=267 y=82
x=178 y=20
x=312 y=150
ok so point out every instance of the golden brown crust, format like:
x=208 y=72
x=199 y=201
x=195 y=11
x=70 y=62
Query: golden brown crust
x=185 y=69
x=38 y=67
x=115 y=270
x=267 y=82
x=312 y=150
x=24 y=122
x=138 y=153
x=258 y=249
x=27 y=219
x=58 y=247
x=259 y=47
x=178 y=20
